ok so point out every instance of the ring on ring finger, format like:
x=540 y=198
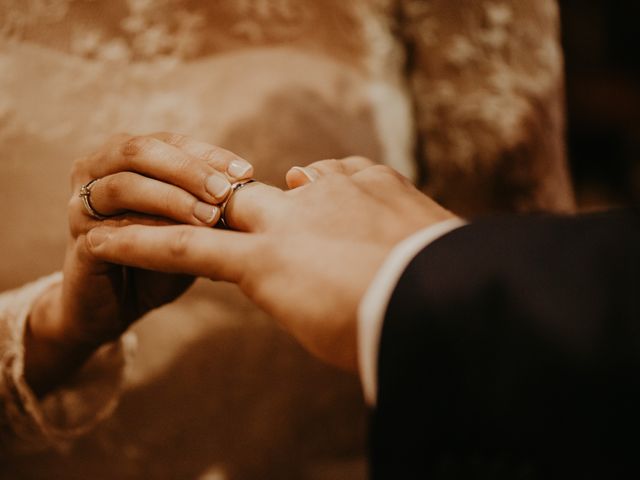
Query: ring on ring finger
x=234 y=188
x=85 y=195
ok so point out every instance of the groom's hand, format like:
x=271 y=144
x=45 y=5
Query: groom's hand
x=306 y=256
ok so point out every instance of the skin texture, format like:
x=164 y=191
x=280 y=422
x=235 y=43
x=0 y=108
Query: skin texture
x=160 y=179
x=306 y=256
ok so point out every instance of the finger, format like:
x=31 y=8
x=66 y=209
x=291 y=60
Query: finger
x=346 y=166
x=80 y=222
x=381 y=182
x=254 y=207
x=297 y=176
x=136 y=219
x=198 y=251
x=235 y=167
x=153 y=158
x=126 y=191
x=380 y=178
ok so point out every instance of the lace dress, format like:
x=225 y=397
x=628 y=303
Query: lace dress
x=465 y=97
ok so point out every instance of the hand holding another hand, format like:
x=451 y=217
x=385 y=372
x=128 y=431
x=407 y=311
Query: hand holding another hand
x=306 y=255
x=160 y=179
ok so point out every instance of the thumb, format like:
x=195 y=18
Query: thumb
x=299 y=177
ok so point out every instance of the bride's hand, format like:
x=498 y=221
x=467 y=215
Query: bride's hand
x=308 y=254
x=158 y=179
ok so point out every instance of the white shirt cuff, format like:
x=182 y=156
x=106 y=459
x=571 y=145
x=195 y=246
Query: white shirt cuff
x=373 y=306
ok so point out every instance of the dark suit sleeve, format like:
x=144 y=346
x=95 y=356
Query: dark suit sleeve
x=511 y=349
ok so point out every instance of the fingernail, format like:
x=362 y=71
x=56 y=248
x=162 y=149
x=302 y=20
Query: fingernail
x=98 y=236
x=310 y=174
x=239 y=168
x=217 y=186
x=205 y=213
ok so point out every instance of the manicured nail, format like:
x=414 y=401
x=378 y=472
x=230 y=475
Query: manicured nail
x=98 y=236
x=239 y=168
x=205 y=213
x=310 y=174
x=217 y=186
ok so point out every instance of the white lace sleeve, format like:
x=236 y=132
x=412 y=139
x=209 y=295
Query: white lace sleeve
x=28 y=423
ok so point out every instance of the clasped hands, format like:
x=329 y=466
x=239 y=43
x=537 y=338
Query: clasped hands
x=305 y=255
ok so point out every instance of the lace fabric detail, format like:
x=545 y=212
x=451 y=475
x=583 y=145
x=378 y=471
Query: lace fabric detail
x=147 y=30
x=255 y=17
x=487 y=80
x=27 y=423
x=18 y=15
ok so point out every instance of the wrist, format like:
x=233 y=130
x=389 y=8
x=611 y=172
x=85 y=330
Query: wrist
x=44 y=320
x=52 y=354
x=49 y=323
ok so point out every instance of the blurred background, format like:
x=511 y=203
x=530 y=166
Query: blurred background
x=602 y=58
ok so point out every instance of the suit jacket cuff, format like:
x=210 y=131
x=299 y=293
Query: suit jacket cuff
x=374 y=304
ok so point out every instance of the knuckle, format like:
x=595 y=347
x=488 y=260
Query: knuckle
x=125 y=244
x=359 y=159
x=381 y=169
x=184 y=163
x=331 y=186
x=162 y=135
x=75 y=228
x=179 y=243
x=118 y=138
x=177 y=207
x=187 y=206
x=384 y=170
x=112 y=187
x=75 y=231
x=174 y=139
x=328 y=167
x=333 y=165
x=215 y=155
x=340 y=166
x=72 y=204
x=167 y=203
x=78 y=221
x=321 y=163
x=134 y=146
x=75 y=204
